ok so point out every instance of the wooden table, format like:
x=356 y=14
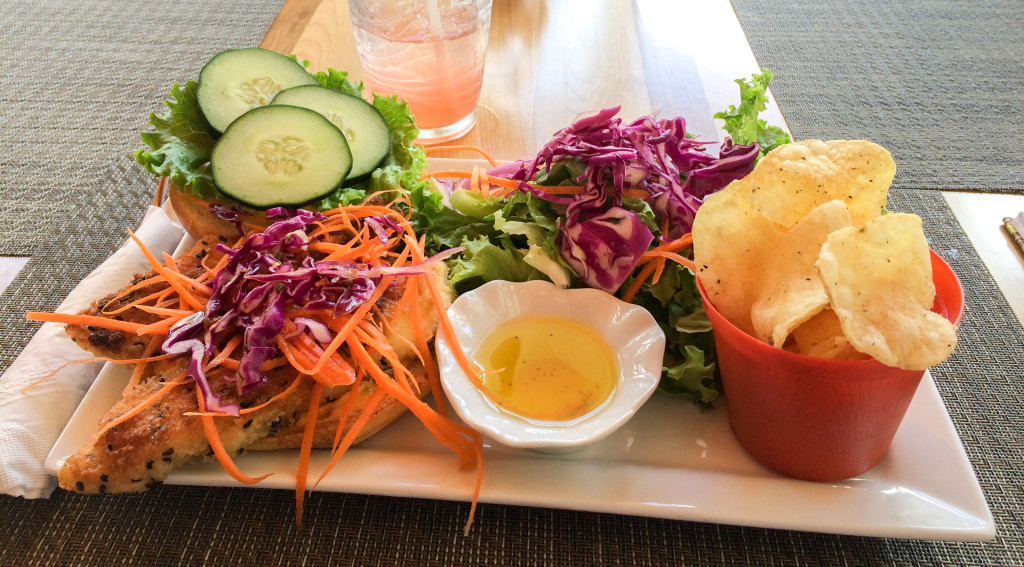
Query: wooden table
x=616 y=53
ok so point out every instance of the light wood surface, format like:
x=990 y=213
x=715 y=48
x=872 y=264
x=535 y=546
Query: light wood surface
x=548 y=61
x=981 y=216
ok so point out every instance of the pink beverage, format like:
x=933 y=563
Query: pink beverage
x=429 y=54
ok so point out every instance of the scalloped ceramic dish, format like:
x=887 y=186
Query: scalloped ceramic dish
x=630 y=331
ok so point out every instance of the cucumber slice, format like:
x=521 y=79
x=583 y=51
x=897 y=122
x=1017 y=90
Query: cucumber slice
x=238 y=80
x=365 y=128
x=280 y=156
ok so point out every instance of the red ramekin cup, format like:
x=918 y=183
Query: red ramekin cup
x=812 y=418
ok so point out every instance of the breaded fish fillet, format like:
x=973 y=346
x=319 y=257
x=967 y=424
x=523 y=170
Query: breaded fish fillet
x=145 y=448
x=332 y=406
x=122 y=345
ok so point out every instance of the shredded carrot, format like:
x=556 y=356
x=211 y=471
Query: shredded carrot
x=360 y=345
x=464 y=441
x=634 y=287
x=674 y=257
x=213 y=436
x=140 y=365
x=659 y=268
x=486 y=156
x=168 y=274
x=144 y=359
x=94 y=320
x=229 y=347
x=670 y=246
x=305 y=449
x=158 y=198
x=185 y=280
x=343 y=332
x=344 y=439
x=653 y=262
x=160 y=327
x=301 y=351
x=445 y=324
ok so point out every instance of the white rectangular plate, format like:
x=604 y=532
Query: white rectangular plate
x=671 y=461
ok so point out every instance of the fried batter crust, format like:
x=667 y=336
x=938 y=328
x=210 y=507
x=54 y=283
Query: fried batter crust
x=122 y=345
x=144 y=449
x=141 y=451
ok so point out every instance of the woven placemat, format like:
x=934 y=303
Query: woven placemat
x=936 y=82
x=77 y=87
x=68 y=209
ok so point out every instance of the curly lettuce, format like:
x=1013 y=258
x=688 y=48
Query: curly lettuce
x=181 y=142
x=742 y=122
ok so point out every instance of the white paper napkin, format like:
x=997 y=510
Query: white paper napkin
x=32 y=419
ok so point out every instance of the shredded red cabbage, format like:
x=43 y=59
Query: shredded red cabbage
x=601 y=240
x=267 y=273
x=229 y=213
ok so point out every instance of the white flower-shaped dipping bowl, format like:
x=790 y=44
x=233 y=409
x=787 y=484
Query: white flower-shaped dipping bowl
x=630 y=331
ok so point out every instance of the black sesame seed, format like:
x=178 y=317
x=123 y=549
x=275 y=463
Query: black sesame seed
x=168 y=452
x=104 y=478
x=149 y=464
x=79 y=486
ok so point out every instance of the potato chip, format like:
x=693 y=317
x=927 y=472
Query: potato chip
x=879 y=281
x=793 y=179
x=760 y=277
x=731 y=244
x=822 y=336
x=789 y=289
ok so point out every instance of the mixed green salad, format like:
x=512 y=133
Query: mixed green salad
x=635 y=186
x=640 y=185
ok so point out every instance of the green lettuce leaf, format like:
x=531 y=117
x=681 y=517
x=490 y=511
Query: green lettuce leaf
x=443 y=227
x=180 y=143
x=483 y=261
x=691 y=379
x=474 y=203
x=403 y=133
x=742 y=122
x=675 y=303
x=338 y=80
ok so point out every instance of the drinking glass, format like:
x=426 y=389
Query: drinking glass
x=428 y=52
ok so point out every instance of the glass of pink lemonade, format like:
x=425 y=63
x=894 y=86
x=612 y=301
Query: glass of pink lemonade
x=428 y=52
